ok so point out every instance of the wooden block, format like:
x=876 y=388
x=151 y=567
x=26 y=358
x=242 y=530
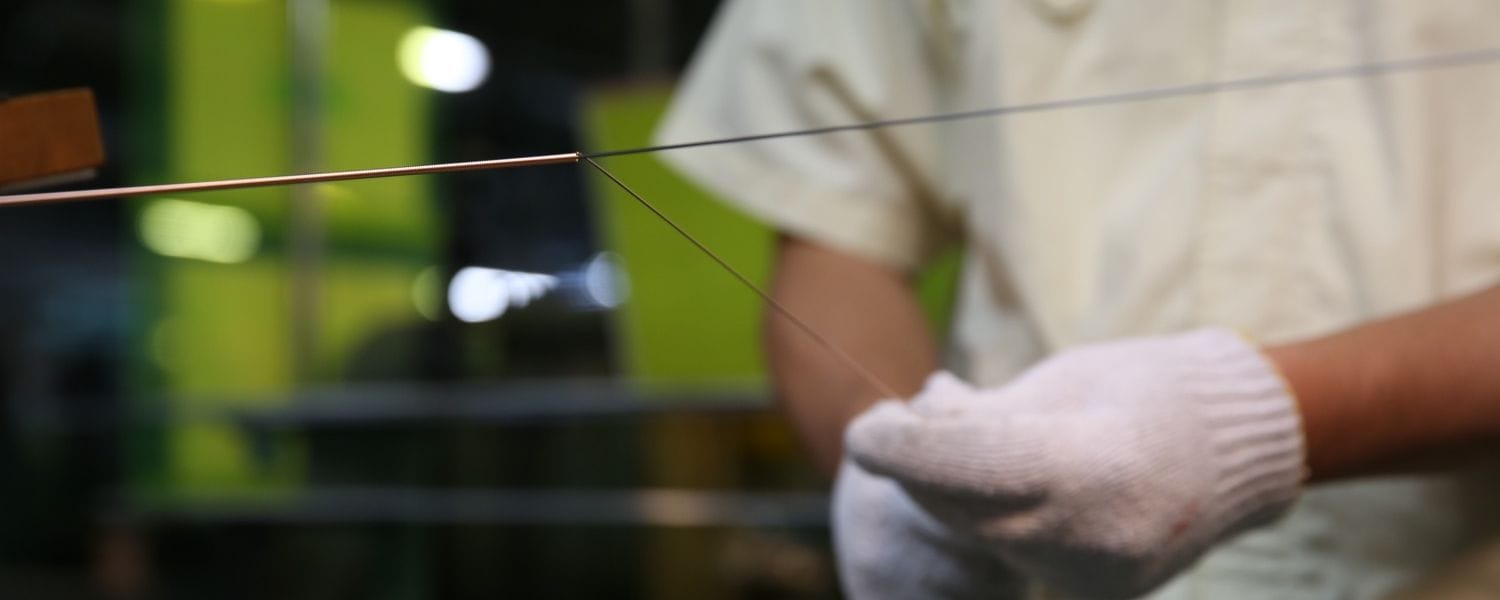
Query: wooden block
x=48 y=136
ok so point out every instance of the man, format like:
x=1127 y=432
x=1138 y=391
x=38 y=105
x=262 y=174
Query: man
x=1281 y=214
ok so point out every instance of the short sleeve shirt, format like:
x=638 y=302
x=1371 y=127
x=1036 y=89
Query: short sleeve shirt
x=1286 y=211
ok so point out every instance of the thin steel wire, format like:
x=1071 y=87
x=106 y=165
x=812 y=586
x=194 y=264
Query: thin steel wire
x=869 y=377
x=1363 y=70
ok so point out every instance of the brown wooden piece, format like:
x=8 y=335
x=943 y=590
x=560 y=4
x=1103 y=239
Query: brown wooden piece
x=49 y=135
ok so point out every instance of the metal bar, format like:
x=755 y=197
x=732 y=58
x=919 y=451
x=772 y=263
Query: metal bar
x=638 y=507
x=230 y=184
x=307 y=21
x=1375 y=69
x=407 y=403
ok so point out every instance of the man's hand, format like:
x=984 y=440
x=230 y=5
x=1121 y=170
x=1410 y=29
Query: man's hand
x=889 y=547
x=1103 y=471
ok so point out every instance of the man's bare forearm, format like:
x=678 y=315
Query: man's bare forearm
x=1417 y=390
x=869 y=310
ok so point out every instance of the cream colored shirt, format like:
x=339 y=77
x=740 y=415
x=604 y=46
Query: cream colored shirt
x=1287 y=211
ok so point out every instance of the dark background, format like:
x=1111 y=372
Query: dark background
x=534 y=492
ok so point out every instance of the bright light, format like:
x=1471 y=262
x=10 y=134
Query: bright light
x=443 y=60
x=182 y=229
x=477 y=294
x=605 y=281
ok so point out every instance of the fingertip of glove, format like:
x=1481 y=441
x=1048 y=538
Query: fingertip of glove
x=874 y=436
x=946 y=382
x=943 y=391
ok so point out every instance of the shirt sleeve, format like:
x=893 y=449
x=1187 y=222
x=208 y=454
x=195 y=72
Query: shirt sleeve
x=782 y=65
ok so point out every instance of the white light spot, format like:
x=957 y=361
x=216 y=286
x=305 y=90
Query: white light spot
x=211 y=232
x=443 y=60
x=605 y=280
x=478 y=294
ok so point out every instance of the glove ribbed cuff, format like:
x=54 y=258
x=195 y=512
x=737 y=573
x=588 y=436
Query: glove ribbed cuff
x=1254 y=429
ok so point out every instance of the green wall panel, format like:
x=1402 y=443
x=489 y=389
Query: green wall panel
x=218 y=337
x=688 y=322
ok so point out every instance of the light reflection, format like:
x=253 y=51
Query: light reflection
x=479 y=294
x=210 y=232
x=163 y=342
x=447 y=61
x=605 y=282
x=426 y=293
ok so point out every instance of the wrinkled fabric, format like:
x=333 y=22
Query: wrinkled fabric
x=1284 y=212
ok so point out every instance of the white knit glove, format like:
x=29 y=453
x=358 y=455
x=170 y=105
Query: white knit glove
x=888 y=547
x=1105 y=470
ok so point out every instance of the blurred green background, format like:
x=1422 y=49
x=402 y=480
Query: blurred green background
x=508 y=383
